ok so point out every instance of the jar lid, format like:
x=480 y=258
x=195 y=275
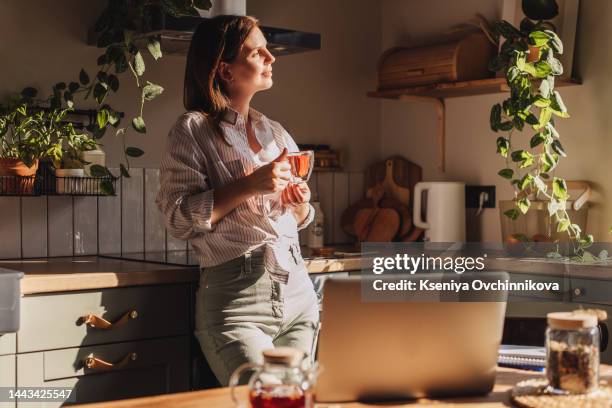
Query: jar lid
x=571 y=320
x=284 y=355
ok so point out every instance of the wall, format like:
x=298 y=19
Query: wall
x=409 y=129
x=318 y=96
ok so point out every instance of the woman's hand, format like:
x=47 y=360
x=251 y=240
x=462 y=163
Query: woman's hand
x=295 y=195
x=272 y=177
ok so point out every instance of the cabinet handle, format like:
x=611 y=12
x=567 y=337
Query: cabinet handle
x=98 y=322
x=96 y=363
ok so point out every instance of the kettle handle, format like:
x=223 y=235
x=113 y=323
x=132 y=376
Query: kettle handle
x=235 y=377
x=416 y=210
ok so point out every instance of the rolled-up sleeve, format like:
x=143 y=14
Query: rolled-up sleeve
x=185 y=198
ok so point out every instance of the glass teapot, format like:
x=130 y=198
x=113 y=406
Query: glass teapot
x=284 y=380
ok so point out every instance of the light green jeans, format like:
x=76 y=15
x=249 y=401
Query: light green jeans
x=241 y=311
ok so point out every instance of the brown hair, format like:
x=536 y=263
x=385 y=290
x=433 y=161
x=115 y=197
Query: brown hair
x=217 y=40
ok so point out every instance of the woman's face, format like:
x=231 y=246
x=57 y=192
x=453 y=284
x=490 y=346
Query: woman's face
x=252 y=69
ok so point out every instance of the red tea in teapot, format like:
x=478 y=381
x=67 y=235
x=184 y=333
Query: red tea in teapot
x=279 y=397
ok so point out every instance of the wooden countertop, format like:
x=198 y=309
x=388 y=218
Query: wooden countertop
x=47 y=275
x=220 y=397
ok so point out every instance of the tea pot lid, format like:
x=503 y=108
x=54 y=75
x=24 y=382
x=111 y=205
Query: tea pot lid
x=284 y=355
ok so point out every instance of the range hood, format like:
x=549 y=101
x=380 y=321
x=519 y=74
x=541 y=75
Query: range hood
x=175 y=36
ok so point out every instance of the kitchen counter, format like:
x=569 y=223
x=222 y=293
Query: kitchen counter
x=45 y=275
x=220 y=397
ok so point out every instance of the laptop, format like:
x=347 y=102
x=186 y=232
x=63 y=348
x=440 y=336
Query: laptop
x=408 y=349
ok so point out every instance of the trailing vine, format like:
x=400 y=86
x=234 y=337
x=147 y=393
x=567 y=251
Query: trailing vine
x=528 y=60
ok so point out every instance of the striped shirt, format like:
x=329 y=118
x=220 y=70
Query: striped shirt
x=196 y=162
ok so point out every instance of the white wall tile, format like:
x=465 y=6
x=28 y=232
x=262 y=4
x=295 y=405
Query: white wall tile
x=109 y=221
x=60 y=226
x=85 y=225
x=132 y=210
x=155 y=237
x=34 y=226
x=10 y=229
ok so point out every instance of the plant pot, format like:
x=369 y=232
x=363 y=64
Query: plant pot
x=16 y=178
x=534 y=54
x=69 y=181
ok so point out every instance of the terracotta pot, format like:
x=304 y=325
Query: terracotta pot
x=16 y=177
x=534 y=54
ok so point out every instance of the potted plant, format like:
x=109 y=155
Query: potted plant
x=528 y=60
x=24 y=140
x=67 y=154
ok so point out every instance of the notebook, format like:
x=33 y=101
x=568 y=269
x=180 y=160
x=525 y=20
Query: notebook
x=526 y=357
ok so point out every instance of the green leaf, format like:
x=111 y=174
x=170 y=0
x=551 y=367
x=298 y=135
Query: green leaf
x=555 y=42
x=540 y=184
x=586 y=241
x=525 y=182
x=513 y=214
x=495 y=117
x=546 y=88
x=151 y=90
x=523 y=157
x=29 y=92
x=98 y=171
x=558 y=106
x=545 y=116
x=83 y=77
x=102 y=118
x=531 y=119
x=73 y=87
x=102 y=76
x=60 y=86
x=124 y=171
x=559 y=188
x=542 y=69
x=506 y=126
x=556 y=146
x=154 y=48
x=121 y=63
x=106 y=186
x=563 y=225
x=139 y=65
x=506 y=173
x=536 y=140
x=134 y=152
x=113 y=118
x=541 y=102
x=523 y=205
x=538 y=38
x=113 y=82
x=554 y=206
x=100 y=92
x=102 y=60
x=138 y=124
x=503 y=145
x=202 y=4
x=548 y=162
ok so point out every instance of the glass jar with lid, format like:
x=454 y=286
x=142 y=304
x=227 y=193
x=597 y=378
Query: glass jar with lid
x=572 y=352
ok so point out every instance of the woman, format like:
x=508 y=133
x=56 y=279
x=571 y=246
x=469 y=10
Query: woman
x=225 y=187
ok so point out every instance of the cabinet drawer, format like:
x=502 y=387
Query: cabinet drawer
x=8 y=343
x=7 y=377
x=56 y=321
x=593 y=291
x=160 y=366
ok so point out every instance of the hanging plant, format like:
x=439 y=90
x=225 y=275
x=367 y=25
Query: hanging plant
x=528 y=59
x=118 y=28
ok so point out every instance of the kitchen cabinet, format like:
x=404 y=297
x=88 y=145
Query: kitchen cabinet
x=7 y=376
x=8 y=344
x=53 y=321
x=148 y=367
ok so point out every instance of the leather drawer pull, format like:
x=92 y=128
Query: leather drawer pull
x=96 y=363
x=101 y=323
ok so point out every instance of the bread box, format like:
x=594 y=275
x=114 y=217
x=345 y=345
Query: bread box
x=462 y=59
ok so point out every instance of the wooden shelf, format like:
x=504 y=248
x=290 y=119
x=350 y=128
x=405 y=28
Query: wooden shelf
x=456 y=89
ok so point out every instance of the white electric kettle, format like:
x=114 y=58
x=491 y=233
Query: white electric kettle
x=445 y=211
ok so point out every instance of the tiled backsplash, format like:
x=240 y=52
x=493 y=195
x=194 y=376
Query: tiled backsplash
x=33 y=227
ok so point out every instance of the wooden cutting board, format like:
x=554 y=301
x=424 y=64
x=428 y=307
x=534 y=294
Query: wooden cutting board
x=398 y=177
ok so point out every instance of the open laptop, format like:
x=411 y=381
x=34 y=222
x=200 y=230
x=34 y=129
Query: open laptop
x=409 y=349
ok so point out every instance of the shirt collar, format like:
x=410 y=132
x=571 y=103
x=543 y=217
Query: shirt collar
x=231 y=116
